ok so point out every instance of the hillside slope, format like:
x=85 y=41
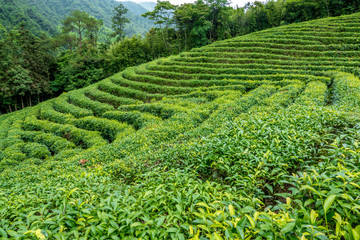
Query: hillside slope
x=252 y=137
x=47 y=15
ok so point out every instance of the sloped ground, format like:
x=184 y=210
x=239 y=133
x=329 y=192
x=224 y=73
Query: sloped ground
x=252 y=137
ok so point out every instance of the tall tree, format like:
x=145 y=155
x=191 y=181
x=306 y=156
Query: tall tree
x=81 y=23
x=192 y=24
x=162 y=15
x=119 y=20
x=20 y=83
x=216 y=17
x=24 y=67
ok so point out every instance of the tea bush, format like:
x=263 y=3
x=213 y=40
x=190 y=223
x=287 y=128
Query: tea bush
x=255 y=137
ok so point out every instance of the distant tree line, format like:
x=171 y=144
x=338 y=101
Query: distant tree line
x=196 y=24
x=35 y=68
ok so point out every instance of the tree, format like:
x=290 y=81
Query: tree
x=24 y=67
x=218 y=17
x=81 y=23
x=119 y=20
x=2 y=31
x=162 y=15
x=191 y=21
x=126 y=53
x=76 y=70
x=20 y=83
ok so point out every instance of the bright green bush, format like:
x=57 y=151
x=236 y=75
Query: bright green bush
x=135 y=118
x=62 y=105
x=346 y=91
x=120 y=91
x=47 y=112
x=81 y=138
x=79 y=99
x=36 y=150
x=54 y=143
x=108 y=128
x=314 y=93
x=105 y=97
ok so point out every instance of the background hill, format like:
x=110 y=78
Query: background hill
x=252 y=137
x=148 y=5
x=44 y=15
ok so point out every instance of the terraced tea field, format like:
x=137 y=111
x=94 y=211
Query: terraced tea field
x=255 y=137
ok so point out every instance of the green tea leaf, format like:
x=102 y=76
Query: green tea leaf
x=328 y=202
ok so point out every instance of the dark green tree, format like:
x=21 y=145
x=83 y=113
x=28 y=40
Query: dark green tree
x=82 y=24
x=192 y=24
x=25 y=68
x=119 y=21
x=162 y=15
x=19 y=83
x=218 y=15
x=126 y=53
x=78 y=69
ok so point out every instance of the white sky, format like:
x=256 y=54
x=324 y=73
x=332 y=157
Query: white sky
x=239 y=3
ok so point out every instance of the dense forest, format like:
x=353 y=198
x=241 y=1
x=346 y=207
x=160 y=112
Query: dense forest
x=45 y=49
x=46 y=15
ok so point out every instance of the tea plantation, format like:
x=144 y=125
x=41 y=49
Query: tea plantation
x=255 y=137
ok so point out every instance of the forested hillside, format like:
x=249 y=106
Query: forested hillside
x=36 y=67
x=47 y=15
x=254 y=137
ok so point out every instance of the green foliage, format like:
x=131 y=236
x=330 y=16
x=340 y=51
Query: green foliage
x=126 y=53
x=255 y=137
x=108 y=128
x=47 y=15
x=82 y=24
x=77 y=70
x=119 y=20
x=24 y=69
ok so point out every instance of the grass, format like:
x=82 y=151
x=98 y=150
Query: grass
x=255 y=137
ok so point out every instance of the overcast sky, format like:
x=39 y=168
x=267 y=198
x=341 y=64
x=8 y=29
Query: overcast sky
x=239 y=3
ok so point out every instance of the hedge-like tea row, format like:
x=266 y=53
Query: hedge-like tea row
x=54 y=143
x=108 y=98
x=346 y=91
x=323 y=39
x=198 y=85
x=47 y=112
x=265 y=40
x=178 y=83
x=298 y=53
x=238 y=62
x=295 y=39
x=109 y=87
x=149 y=87
x=81 y=138
x=161 y=110
x=12 y=149
x=62 y=105
x=255 y=55
x=232 y=55
x=307 y=66
x=109 y=129
x=260 y=44
x=297 y=33
x=315 y=93
x=275 y=75
x=285 y=96
x=79 y=99
x=135 y=118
